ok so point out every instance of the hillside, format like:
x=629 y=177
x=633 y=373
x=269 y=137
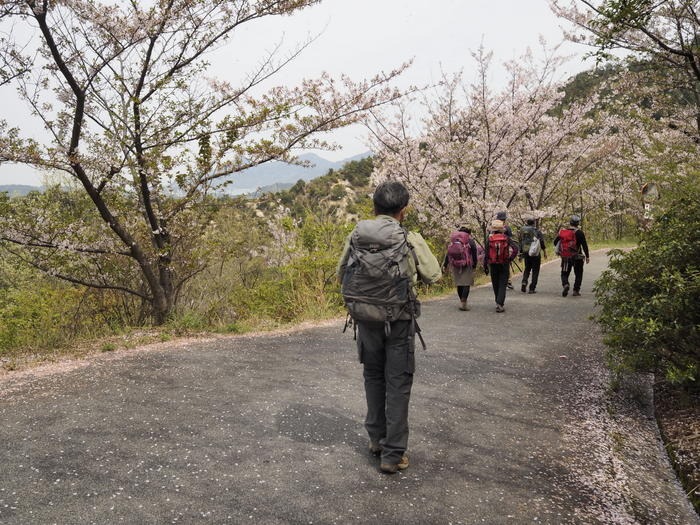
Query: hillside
x=270 y=177
x=18 y=190
x=281 y=173
x=342 y=194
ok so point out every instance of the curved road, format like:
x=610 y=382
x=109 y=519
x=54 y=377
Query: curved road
x=511 y=422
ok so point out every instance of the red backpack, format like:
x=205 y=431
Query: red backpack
x=568 y=247
x=499 y=248
x=459 y=255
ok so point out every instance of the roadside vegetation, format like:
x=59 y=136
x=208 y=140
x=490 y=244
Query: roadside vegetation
x=650 y=315
x=135 y=239
x=648 y=298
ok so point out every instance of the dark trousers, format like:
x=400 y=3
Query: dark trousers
x=389 y=363
x=567 y=264
x=500 y=273
x=463 y=292
x=532 y=264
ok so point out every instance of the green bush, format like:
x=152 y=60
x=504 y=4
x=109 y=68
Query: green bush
x=648 y=298
x=43 y=315
x=305 y=288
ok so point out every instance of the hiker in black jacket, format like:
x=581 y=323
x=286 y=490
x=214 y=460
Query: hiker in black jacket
x=500 y=250
x=529 y=234
x=572 y=247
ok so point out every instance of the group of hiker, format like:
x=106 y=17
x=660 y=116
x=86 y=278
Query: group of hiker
x=499 y=251
x=378 y=270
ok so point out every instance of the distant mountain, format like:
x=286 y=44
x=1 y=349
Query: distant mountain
x=282 y=174
x=18 y=190
x=273 y=188
x=271 y=176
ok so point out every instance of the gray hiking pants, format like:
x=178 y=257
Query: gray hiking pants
x=389 y=363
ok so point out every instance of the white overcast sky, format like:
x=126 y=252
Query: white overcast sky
x=362 y=37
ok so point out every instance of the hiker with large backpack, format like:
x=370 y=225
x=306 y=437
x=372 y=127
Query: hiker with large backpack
x=379 y=267
x=500 y=252
x=461 y=258
x=503 y=216
x=532 y=248
x=570 y=244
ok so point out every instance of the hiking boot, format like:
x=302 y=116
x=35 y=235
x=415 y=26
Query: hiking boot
x=509 y=285
x=576 y=293
x=463 y=306
x=565 y=291
x=523 y=287
x=500 y=309
x=393 y=468
x=374 y=448
x=532 y=290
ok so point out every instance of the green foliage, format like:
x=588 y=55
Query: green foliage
x=37 y=312
x=338 y=192
x=343 y=193
x=616 y=17
x=277 y=268
x=187 y=322
x=109 y=347
x=648 y=298
x=306 y=287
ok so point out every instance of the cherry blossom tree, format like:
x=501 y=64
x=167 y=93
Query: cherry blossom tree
x=649 y=149
x=666 y=35
x=143 y=136
x=479 y=150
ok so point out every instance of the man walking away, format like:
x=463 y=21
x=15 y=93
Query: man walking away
x=500 y=251
x=572 y=247
x=532 y=247
x=379 y=268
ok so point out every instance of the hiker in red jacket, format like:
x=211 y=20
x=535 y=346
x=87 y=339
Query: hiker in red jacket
x=570 y=244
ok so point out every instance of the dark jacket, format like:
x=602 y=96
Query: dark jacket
x=538 y=236
x=580 y=241
x=513 y=252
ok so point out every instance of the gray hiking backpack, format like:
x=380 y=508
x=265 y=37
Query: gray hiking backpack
x=528 y=234
x=377 y=283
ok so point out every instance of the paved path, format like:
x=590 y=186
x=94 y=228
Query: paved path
x=511 y=422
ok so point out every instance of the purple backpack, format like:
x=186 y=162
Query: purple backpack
x=459 y=255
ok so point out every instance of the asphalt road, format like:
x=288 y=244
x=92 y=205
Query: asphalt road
x=512 y=421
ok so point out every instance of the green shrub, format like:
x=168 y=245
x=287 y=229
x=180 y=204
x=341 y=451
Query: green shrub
x=648 y=298
x=108 y=347
x=36 y=316
x=338 y=192
x=40 y=314
x=187 y=322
